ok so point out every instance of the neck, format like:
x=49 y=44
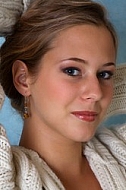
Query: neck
x=59 y=153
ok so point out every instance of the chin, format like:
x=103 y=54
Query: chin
x=84 y=137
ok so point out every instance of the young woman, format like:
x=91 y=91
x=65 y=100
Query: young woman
x=57 y=67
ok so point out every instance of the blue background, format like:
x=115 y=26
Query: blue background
x=117 y=14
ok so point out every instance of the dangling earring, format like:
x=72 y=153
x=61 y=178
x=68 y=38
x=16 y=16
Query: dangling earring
x=26 y=108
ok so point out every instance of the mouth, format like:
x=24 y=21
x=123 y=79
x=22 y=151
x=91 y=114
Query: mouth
x=88 y=116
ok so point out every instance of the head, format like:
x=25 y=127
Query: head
x=35 y=32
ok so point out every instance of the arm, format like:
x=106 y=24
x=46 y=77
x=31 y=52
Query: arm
x=7 y=172
x=10 y=10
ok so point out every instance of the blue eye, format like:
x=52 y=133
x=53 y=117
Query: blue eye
x=72 y=71
x=105 y=75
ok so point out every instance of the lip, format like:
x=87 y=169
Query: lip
x=88 y=116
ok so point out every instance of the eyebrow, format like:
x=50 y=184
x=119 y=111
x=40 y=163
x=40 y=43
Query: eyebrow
x=85 y=62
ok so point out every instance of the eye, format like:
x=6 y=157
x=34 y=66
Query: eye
x=72 y=71
x=105 y=75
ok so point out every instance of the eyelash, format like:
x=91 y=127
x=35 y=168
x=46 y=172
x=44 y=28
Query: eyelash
x=103 y=73
x=75 y=72
x=72 y=71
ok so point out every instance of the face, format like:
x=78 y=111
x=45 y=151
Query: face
x=74 y=85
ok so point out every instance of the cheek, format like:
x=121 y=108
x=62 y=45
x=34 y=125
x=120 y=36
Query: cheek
x=59 y=91
x=108 y=94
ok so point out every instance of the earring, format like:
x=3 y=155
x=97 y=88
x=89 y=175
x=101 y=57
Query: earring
x=26 y=108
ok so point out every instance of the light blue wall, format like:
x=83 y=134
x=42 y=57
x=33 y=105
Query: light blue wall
x=117 y=13
x=10 y=119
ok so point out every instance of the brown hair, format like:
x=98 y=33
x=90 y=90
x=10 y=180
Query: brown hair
x=35 y=30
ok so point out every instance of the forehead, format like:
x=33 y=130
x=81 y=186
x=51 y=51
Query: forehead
x=90 y=43
x=85 y=30
x=83 y=38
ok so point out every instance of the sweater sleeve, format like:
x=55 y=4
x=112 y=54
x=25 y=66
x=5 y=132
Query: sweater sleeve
x=115 y=140
x=7 y=172
x=106 y=154
x=10 y=11
x=17 y=172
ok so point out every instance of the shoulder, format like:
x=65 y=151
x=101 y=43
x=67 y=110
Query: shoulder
x=16 y=166
x=106 y=154
x=7 y=173
x=23 y=168
x=115 y=141
x=110 y=143
x=117 y=132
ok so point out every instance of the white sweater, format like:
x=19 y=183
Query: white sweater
x=23 y=169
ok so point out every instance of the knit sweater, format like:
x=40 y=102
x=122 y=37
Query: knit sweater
x=23 y=169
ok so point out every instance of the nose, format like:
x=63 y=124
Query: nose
x=92 y=89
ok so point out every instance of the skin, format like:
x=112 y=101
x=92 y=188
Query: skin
x=75 y=75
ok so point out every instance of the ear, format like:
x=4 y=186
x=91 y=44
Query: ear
x=21 y=77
